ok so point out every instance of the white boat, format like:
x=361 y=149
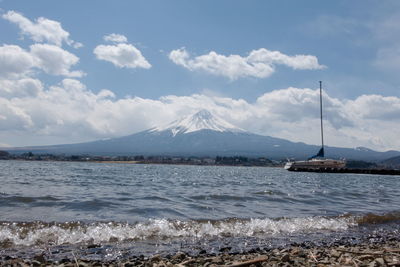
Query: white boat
x=317 y=162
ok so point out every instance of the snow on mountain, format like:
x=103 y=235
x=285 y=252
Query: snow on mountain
x=365 y=149
x=202 y=120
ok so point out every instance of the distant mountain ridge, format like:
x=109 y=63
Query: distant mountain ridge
x=203 y=134
x=393 y=162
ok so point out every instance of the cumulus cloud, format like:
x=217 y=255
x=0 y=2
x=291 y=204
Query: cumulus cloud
x=116 y=38
x=294 y=104
x=70 y=112
x=55 y=60
x=42 y=30
x=375 y=107
x=26 y=87
x=13 y=117
x=122 y=56
x=15 y=62
x=259 y=63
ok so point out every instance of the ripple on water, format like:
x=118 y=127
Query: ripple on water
x=222 y=197
x=16 y=200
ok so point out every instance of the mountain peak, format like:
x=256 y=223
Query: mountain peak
x=201 y=120
x=203 y=114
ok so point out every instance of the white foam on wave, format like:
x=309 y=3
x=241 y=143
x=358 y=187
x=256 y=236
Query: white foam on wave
x=29 y=234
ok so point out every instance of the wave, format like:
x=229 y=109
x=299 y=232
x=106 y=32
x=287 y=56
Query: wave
x=24 y=200
x=371 y=218
x=42 y=233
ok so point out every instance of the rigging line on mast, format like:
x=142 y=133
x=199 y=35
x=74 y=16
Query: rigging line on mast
x=320 y=105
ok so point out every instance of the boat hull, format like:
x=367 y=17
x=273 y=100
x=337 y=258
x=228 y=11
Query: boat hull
x=315 y=164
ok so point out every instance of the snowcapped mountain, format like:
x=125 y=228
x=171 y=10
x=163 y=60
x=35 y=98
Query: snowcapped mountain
x=203 y=134
x=201 y=120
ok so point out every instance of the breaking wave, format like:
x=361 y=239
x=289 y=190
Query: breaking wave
x=41 y=233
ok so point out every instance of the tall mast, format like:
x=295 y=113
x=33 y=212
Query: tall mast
x=320 y=106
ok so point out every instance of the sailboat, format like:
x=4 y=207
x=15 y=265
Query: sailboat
x=318 y=161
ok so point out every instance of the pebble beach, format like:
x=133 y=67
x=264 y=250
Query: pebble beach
x=384 y=253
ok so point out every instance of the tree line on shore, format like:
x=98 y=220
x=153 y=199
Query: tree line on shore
x=187 y=160
x=218 y=160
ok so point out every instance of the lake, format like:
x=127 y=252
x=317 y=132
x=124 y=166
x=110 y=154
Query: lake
x=107 y=210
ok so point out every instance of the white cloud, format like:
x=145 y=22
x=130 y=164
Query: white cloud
x=116 y=38
x=26 y=87
x=294 y=104
x=42 y=30
x=13 y=117
x=259 y=63
x=55 y=60
x=69 y=112
x=375 y=107
x=122 y=56
x=16 y=63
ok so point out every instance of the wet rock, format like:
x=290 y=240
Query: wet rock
x=380 y=262
x=365 y=257
x=201 y=261
x=94 y=246
x=84 y=264
x=225 y=249
x=155 y=258
x=159 y=264
x=295 y=251
x=217 y=260
x=275 y=251
x=65 y=260
x=335 y=253
x=7 y=258
x=40 y=258
x=178 y=257
x=285 y=257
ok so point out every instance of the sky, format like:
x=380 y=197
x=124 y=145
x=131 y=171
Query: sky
x=75 y=71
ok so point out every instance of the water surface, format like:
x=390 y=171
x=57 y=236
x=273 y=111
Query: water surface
x=154 y=208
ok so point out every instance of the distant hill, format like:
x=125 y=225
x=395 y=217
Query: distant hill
x=393 y=162
x=203 y=134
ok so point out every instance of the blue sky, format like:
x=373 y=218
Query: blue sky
x=239 y=59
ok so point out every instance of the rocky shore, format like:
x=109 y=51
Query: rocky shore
x=379 y=254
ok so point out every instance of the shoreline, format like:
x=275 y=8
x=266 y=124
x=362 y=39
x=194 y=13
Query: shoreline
x=373 y=171
x=368 y=253
x=144 y=163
